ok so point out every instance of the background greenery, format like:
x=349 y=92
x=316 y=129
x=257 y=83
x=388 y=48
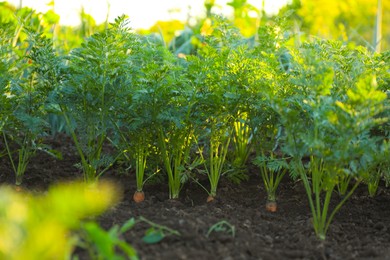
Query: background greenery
x=352 y=21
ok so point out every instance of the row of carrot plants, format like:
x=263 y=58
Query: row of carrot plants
x=318 y=111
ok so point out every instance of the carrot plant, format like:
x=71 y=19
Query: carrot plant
x=218 y=97
x=175 y=126
x=240 y=75
x=28 y=95
x=141 y=154
x=272 y=170
x=136 y=145
x=175 y=153
x=218 y=148
x=90 y=97
x=269 y=157
x=329 y=125
x=266 y=73
x=6 y=66
x=378 y=170
x=136 y=119
x=134 y=137
x=155 y=114
x=373 y=183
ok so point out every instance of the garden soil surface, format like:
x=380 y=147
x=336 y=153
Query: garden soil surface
x=360 y=230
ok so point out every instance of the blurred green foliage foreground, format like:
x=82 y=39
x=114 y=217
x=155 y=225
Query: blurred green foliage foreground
x=43 y=227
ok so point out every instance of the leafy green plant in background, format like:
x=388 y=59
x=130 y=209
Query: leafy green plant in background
x=271 y=61
x=9 y=60
x=384 y=164
x=87 y=100
x=378 y=170
x=65 y=38
x=144 y=99
x=6 y=64
x=331 y=127
x=242 y=75
x=155 y=114
x=158 y=106
x=40 y=227
x=136 y=140
x=28 y=96
x=381 y=66
x=217 y=98
x=175 y=130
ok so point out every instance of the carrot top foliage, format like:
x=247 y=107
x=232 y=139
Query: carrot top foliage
x=317 y=108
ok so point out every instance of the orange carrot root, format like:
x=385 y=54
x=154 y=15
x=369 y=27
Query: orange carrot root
x=139 y=196
x=210 y=199
x=18 y=188
x=271 y=206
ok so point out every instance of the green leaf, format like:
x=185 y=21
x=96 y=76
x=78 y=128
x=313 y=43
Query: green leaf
x=153 y=236
x=127 y=225
x=101 y=239
x=52 y=152
x=129 y=250
x=113 y=232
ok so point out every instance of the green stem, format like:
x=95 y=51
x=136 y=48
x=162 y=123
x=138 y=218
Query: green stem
x=167 y=162
x=9 y=153
x=140 y=166
x=308 y=193
x=241 y=141
x=84 y=162
x=97 y=176
x=203 y=187
x=160 y=227
x=175 y=158
x=323 y=217
x=341 y=203
x=218 y=152
x=343 y=185
x=24 y=157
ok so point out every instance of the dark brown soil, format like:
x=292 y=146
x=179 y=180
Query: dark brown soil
x=360 y=230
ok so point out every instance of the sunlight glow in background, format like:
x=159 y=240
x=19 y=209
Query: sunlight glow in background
x=142 y=13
